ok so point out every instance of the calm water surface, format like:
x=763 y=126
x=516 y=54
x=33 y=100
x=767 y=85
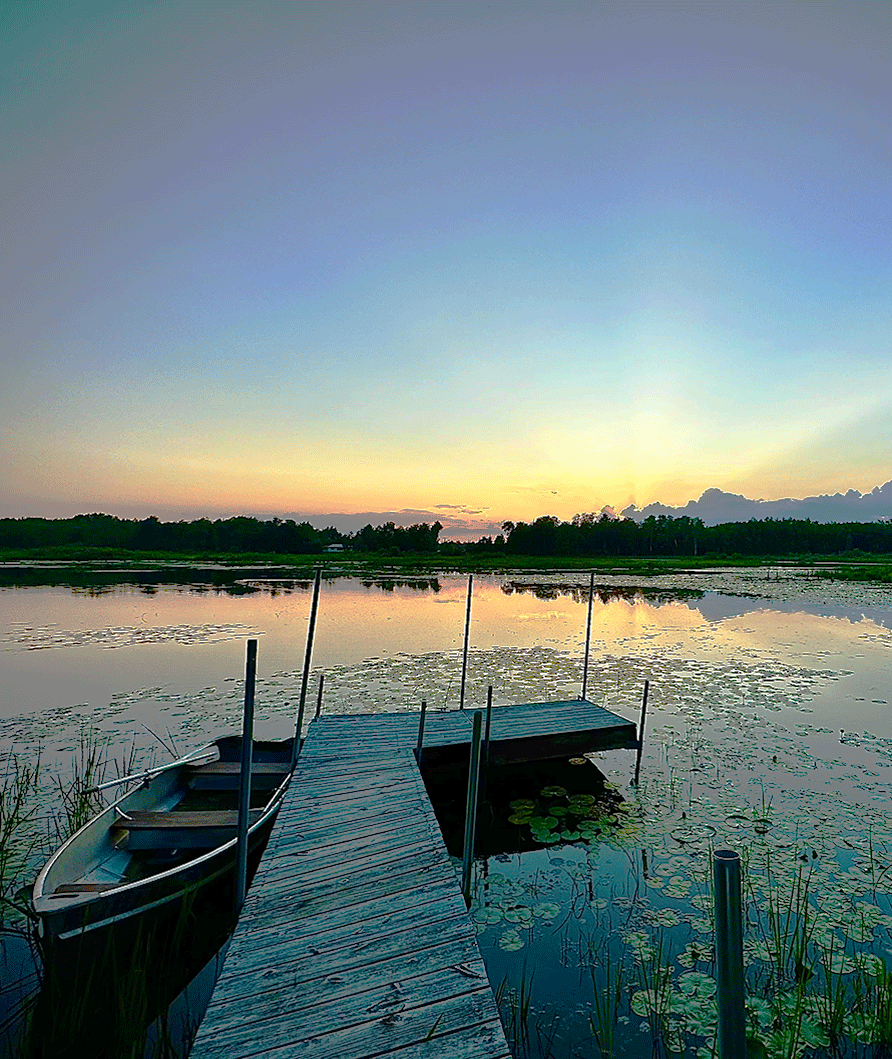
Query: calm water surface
x=124 y=658
x=770 y=701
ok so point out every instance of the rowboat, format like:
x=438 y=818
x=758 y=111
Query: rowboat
x=160 y=843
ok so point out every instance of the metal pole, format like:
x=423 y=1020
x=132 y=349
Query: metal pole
x=419 y=748
x=484 y=765
x=319 y=697
x=641 y=732
x=464 y=660
x=471 y=809
x=729 y=954
x=311 y=630
x=244 y=790
x=588 y=634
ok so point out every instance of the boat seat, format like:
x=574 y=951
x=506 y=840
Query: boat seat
x=67 y=889
x=189 y=829
x=225 y=775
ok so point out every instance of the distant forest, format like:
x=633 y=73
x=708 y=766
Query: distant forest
x=585 y=535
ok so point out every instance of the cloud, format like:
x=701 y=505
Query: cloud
x=462 y=508
x=716 y=506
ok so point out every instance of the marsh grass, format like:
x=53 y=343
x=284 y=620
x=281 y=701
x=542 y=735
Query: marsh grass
x=515 y=1002
x=786 y=923
x=18 y=841
x=609 y=997
x=79 y=799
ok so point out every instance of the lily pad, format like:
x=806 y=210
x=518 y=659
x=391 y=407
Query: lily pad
x=511 y=941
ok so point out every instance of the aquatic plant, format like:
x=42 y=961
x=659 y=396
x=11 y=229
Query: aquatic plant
x=514 y=1002
x=608 y=1003
x=18 y=840
x=78 y=795
x=818 y=909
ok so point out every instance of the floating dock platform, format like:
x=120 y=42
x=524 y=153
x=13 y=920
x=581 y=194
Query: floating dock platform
x=354 y=941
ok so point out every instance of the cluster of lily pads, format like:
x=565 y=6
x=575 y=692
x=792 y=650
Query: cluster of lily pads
x=557 y=816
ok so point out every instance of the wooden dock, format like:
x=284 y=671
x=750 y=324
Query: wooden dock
x=354 y=941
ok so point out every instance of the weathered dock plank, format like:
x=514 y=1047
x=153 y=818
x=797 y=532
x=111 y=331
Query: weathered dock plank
x=527 y=732
x=343 y=946
x=354 y=941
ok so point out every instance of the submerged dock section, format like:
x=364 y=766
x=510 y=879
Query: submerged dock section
x=354 y=941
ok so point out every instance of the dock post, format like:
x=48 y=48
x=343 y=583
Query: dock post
x=588 y=635
x=308 y=654
x=641 y=732
x=484 y=754
x=729 y=954
x=419 y=747
x=319 y=697
x=244 y=790
x=464 y=659
x=467 y=866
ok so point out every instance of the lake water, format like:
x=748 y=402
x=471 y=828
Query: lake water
x=124 y=658
x=769 y=728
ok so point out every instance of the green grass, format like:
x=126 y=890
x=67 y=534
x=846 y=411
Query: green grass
x=78 y=561
x=880 y=572
x=18 y=841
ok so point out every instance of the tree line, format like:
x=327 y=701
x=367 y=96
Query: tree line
x=594 y=535
x=220 y=536
x=584 y=535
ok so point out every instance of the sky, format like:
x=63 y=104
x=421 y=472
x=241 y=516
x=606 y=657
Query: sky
x=477 y=261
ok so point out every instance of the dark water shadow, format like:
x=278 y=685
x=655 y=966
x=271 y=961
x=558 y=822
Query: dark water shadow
x=514 y=815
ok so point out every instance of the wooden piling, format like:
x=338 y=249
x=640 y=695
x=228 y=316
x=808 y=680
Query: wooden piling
x=484 y=766
x=308 y=654
x=464 y=659
x=319 y=696
x=467 y=868
x=244 y=790
x=641 y=732
x=588 y=634
x=730 y=1001
x=419 y=746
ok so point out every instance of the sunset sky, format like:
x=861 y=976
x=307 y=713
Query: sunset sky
x=483 y=260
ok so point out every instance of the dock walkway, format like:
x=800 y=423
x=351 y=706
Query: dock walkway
x=354 y=941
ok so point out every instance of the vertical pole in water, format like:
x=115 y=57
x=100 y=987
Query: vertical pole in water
x=641 y=732
x=311 y=630
x=588 y=635
x=319 y=697
x=467 y=865
x=484 y=754
x=419 y=748
x=729 y=954
x=464 y=660
x=244 y=790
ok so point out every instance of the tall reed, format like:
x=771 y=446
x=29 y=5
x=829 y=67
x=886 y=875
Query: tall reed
x=80 y=800
x=18 y=840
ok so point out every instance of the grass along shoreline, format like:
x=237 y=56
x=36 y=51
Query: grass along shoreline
x=54 y=563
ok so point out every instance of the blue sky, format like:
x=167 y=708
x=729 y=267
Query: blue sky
x=515 y=258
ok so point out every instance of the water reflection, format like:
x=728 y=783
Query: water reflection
x=603 y=593
x=783 y=686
